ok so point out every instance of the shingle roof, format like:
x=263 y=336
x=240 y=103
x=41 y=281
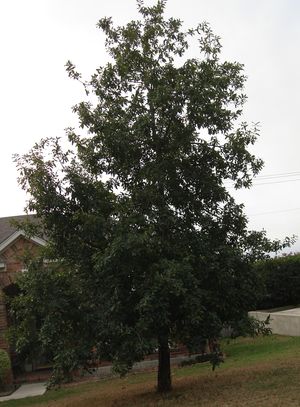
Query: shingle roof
x=7 y=229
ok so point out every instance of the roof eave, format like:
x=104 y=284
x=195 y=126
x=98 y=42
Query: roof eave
x=18 y=233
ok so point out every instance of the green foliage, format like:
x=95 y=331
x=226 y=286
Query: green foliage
x=280 y=278
x=249 y=326
x=155 y=247
x=53 y=317
x=5 y=368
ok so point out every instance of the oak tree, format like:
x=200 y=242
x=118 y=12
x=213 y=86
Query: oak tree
x=137 y=207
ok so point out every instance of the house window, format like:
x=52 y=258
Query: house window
x=2 y=266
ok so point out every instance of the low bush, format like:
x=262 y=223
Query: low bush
x=5 y=369
x=198 y=359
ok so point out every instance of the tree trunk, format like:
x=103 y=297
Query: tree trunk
x=164 y=368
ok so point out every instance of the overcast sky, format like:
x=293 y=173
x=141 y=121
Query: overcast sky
x=39 y=36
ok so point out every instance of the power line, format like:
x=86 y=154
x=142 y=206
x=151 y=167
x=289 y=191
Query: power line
x=279 y=211
x=268 y=183
x=272 y=177
x=279 y=175
x=275 y=182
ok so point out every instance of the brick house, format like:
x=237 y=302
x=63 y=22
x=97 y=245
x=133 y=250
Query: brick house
x=14 y=245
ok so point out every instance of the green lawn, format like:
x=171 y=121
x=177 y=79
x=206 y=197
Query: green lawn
x=257 y=372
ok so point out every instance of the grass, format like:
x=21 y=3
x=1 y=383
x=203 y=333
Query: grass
x=260 y=372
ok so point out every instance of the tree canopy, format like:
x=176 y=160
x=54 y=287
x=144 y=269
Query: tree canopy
x=137 y=209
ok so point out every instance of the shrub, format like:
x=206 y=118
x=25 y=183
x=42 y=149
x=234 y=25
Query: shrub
x=281 y=280
x=5 y=369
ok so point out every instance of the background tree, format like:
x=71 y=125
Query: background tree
x=137 y=206
x=281 y=281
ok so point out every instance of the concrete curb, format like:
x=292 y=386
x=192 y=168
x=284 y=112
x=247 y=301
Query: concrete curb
x=106 y=371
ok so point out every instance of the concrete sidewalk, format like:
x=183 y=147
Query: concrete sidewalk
x=26 y=390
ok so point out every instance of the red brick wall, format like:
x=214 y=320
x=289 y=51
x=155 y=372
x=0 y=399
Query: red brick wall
x=3 y=323
x=14 y=253
x=13 y=257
